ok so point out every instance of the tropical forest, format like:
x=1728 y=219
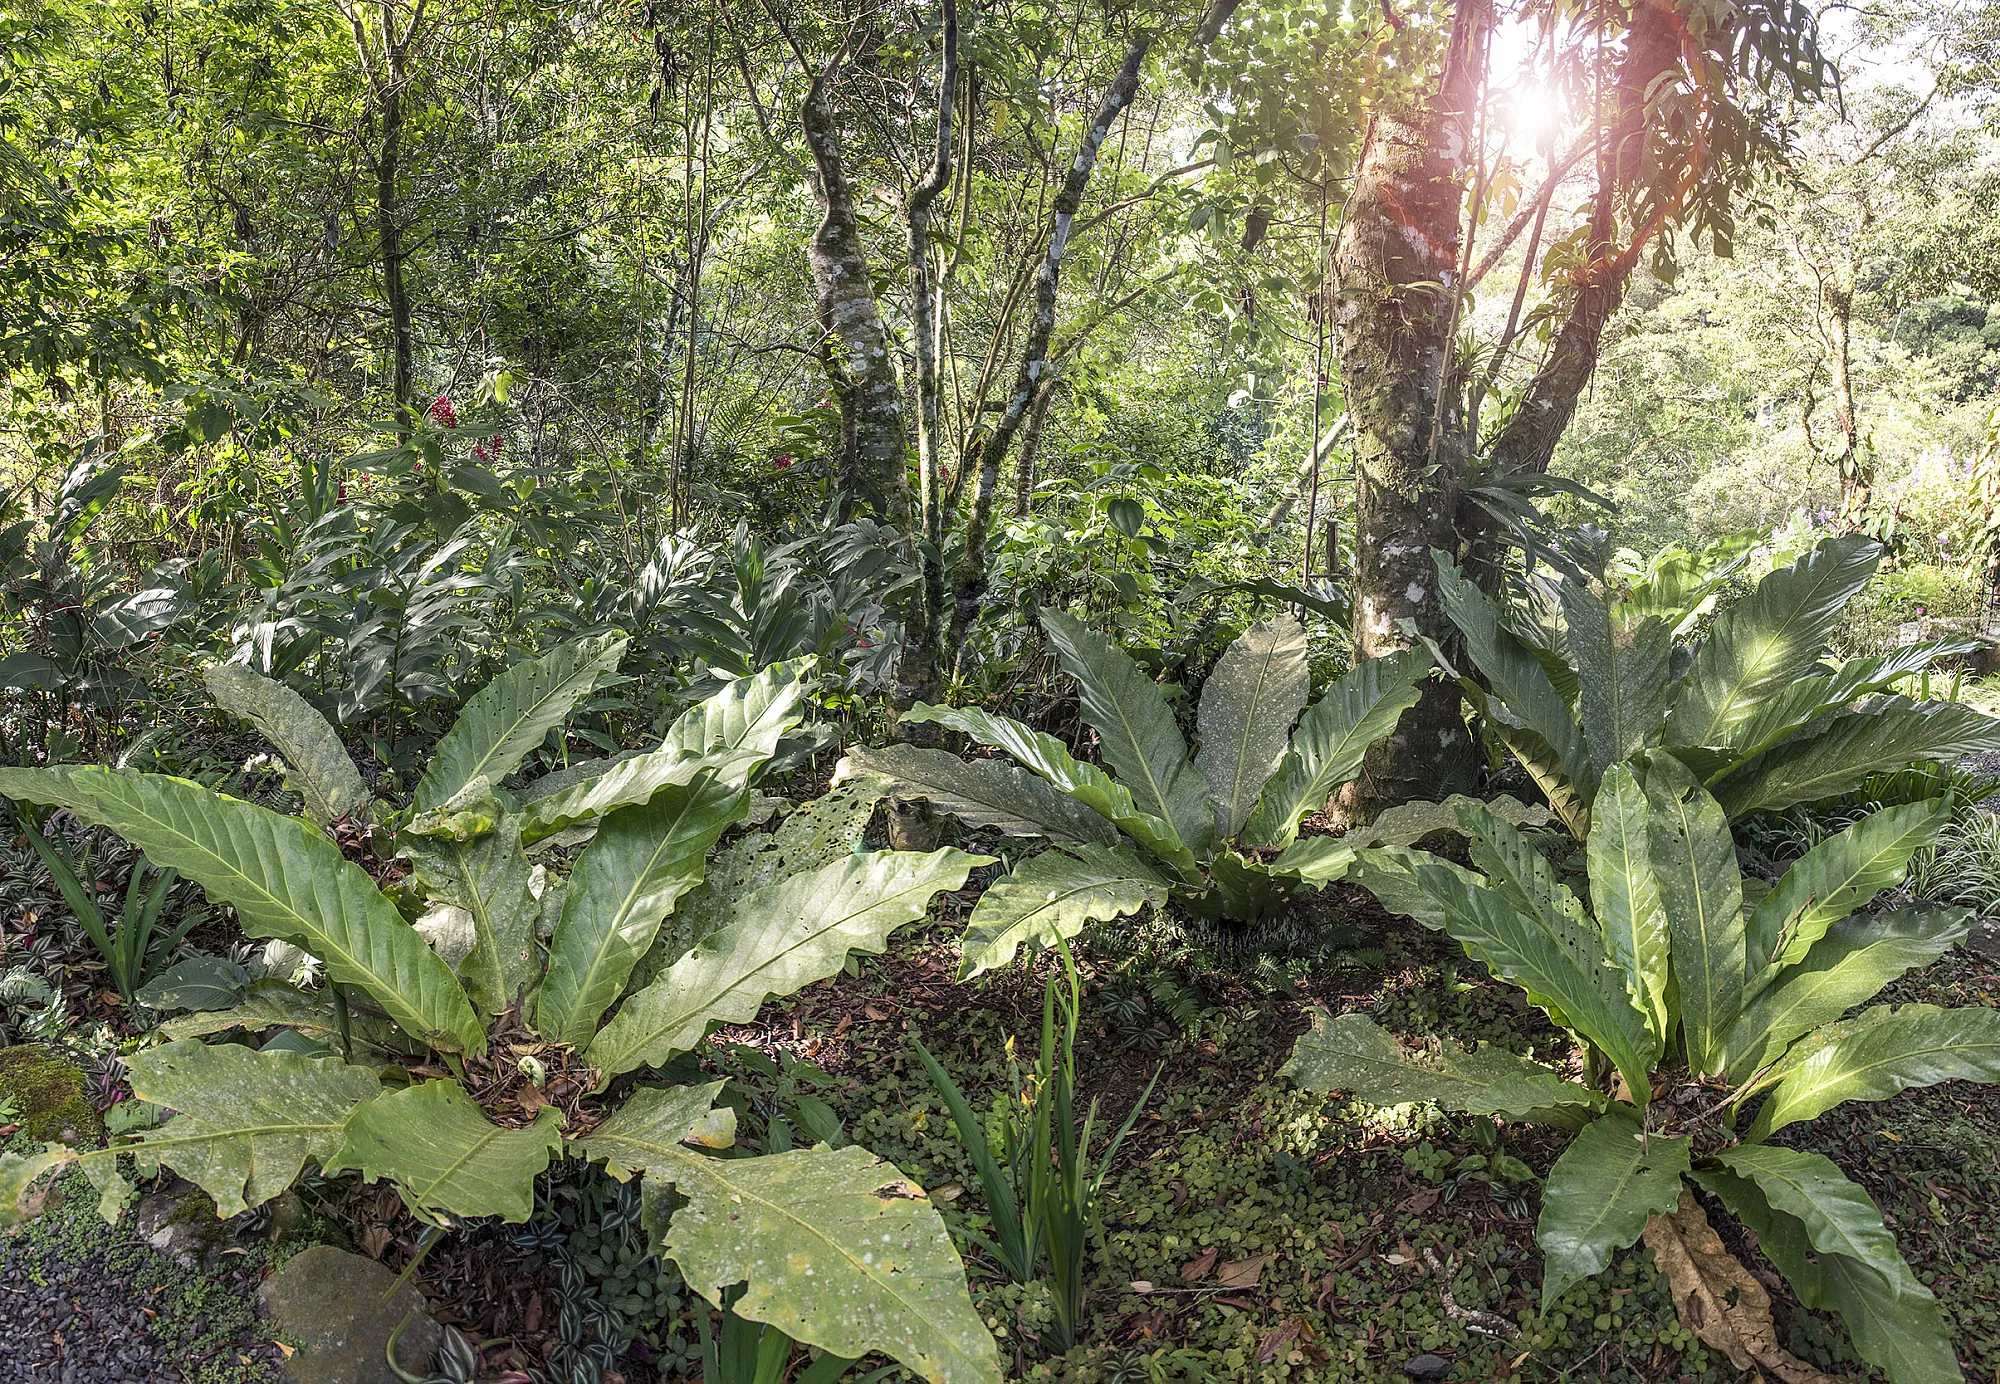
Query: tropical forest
x=956 y=691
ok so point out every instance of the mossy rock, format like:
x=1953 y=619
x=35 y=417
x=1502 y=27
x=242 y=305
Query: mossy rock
x=47 y=1089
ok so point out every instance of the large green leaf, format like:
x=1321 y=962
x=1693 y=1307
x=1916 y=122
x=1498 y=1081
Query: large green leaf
x=1352 y=1053
x=283 y=878
x=1694 y=858
x=1896 y=1323
x=1807 y=699
x=986 y=793
x=19 y=1175
x=1876 y=1054
x=1885 y=733
x=1838 y=1216
x=1333 y=736
x=630 y=782
x=1055 y=895
x=248 y=1120
x=1136 y=730
x=317 y=765
x=512 y=714
x=1762 y=644
x=752 y=713
x=1315 y=861
x=1390 y=874
x=1516 y=676
x=1833 y=879
x=488 y=878
x=1621 y=679
x=1857 y=957
x=1599 y=1194
x=643 y=859
x=1256 y=691
x=837 y=1248
x=1086 y=783
x=445 y=1157
x=1625 y=894
x=779 y=938
x=272 y=1003
x=1558 y=961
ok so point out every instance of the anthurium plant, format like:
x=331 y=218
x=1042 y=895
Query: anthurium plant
x=1712 y=1012
x=1217 y=829
x=471 y=1051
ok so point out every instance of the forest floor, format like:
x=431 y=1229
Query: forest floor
x=1252 y=1231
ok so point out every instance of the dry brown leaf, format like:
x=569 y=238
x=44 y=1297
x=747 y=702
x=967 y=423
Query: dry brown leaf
x=872 y=1012
x=951 y=1191
x=1199 y=1266
x=1275 y=1340
x=1717 y=1298
x=1241 y=1273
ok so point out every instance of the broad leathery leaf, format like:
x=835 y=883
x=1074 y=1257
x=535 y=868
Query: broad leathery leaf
x=1390 y=874
x=202 y=982
x=1316 y=861
x=1838 y=1216
x=819 y=832
x=643 y=859
x=283 y=878
x=837 y=1248
x=1086 y=783
x=1877 y=1053
x=445 y=1157
x=1883 y=734
x=1806 y=700
x=319 y=768
x=1835 y=878
x=1405 y=824
x=1895 y=1326
x=1694 y=858
x=248 y=1120
x=514 y=713
x=630 y=782
x=270 y=1004
x=1545 y=767
x=20 y=1173
x=752 y=713
x=1599 y=1195
x=1625 y=894
x=985 y=793
x=1559 y=962
x=1857 y=957
x=1525 y=878
x=1621 y=678
x=1257 y=689
x=1326 y=750
x=1904 y=1334
x=780 y=938
x=1768 y=640
x=1055 y=895
x=488 y=878
x=471 y=812
x=1136 y=730
x=1352 y=1053
x=646 y=1132
x=1516 y=676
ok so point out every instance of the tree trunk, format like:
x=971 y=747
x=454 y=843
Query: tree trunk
x=1031 y=448
x=854 y=343
x=916 y=672
x=1528 y=442
x=971 y=586
x=387 y=71
x=1395 y=275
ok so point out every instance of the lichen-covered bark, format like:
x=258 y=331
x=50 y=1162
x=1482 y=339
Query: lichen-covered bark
x=1395 y=273
x=916 y=673
x=854 y=344
x=971 y=584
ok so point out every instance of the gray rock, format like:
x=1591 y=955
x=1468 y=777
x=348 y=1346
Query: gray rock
x=1984 y=941
x=329 y=1304
x=1428 y=1367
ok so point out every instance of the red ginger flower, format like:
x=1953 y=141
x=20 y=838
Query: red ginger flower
x=443 y=412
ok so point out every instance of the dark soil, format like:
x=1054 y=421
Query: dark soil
x=82 y=1302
